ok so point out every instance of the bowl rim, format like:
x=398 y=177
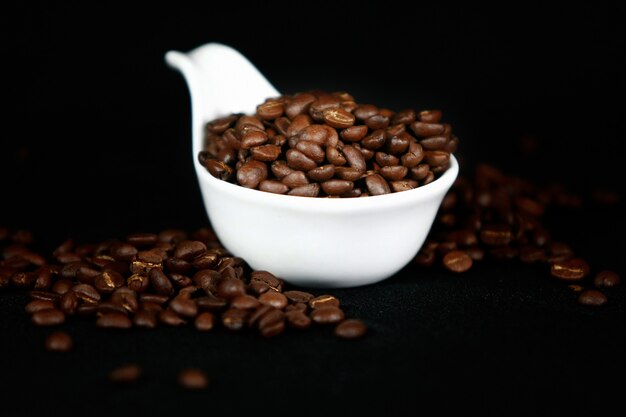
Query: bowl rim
x=403 y=198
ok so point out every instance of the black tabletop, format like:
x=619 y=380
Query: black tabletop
x=98 y=146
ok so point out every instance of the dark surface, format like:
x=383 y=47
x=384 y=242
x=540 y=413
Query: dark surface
x=97 y=145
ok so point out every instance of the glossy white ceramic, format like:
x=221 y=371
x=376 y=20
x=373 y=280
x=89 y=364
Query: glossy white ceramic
x=313 y=242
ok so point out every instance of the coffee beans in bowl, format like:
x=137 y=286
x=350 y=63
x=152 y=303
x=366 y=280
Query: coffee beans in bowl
x=318 y=144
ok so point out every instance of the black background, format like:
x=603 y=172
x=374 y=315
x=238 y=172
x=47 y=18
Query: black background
x=96 y=144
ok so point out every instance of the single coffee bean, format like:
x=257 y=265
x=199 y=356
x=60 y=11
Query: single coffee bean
x=244 y=302
x=354 y=158
x=23 y=279
x=496 y=235
x=138 y=282
x=570 y=270
x=327 y=315
x=425 y=130
x=337 y=187
x=170 y=318
x=377 y=185
x=348 y=174
x=68 y=302
x=230 y=288
x=606 y=279
x=184 y=306
x=394 y=173
x=351 y=329
x=87 y=293
x=234 y=319
x=312 y=150
x=430 y=116
x=323 y=301
x=125 y=374
x=59 y=342
x=114 y=321
x=354 y=133
x=193 y=379
x=125 y=297
x=270 y=110
x=299 y=161
x=457 y=261
x=272 y=323
x=321 y=173
x=274 y=299
x=403 y=185
x=298 y=319
x=338 y=118
x=377 y=121
x=295 y=179
x=38 y=305
x=374 y=140
x=153 y=298
x=151 y=307
x=211 y=303
x=309 y=190
x=145 y=319
x=592 y=298
x=49 y=317
x=189 y=249
x=298 y=296
x=160 y=282
x=107 y=281
x=204 y=321
x=122 y=251
x=299 y=104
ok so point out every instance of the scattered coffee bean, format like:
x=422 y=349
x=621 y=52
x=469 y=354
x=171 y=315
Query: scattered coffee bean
x=205 y=321
x=606 y=279
x=193 y=379
x=125 y=374
x=457 y=261
x=49 y=317
x=351 y=329
x=114 y=321
x=592 y=298
x=327 y=315
x=323 y=301
x=570 y=270
x=59 y=342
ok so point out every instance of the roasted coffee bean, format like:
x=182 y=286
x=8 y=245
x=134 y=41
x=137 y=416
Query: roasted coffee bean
x=272 y=323
x=49 y=317
x=425 y=130
x=530 y=254
x=430 y=116
x=274 y=299
x=299 y=104
x=210 y=302
x=107 y=281
x=437 y=158
x=244 y=302
x=160 y=282
x=230 y=288
x=377 y=185
x=138 y=282
x=150 y=306
x=354 y=133
x=38 y=305
x=68 y=303
x=23 y=279
x=59 y=342
x=354 y=158
x=298 y=319
x=145 y=319
x=270 y=110
x=44 y=295
x=394 y=173
x=110 y=307
x=256 y=315
x=593 y=298
x=298 y=296
x=181 y=281
x=184 y=306
x=126 y=298
x=204 y=321
x=126 y=374
x=309 y=190
x=348 y=174
x=323 y=301
x=322 y=173
x=377 y=121
x=153 y=298
x=234 y=319
x=299 y=161
x=86 y=293
x=114 y=321
x=337 y=187
x=295 y=179
x=310 y=149
x=374 y=140
x=44 y=279
x=606 y=279
x=122 y=251
x=351 y=329
x=457 y=261
x=193 y=379
x=170 y=318
x=570 y=270
x=496 y=235
x=338 y=118
x=327 y=315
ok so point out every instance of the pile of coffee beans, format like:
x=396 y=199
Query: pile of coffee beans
x=151 y=279
x=496 y=216
x=318 y=144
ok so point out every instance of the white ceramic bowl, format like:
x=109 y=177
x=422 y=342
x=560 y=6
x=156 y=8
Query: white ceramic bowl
x=313 y=242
